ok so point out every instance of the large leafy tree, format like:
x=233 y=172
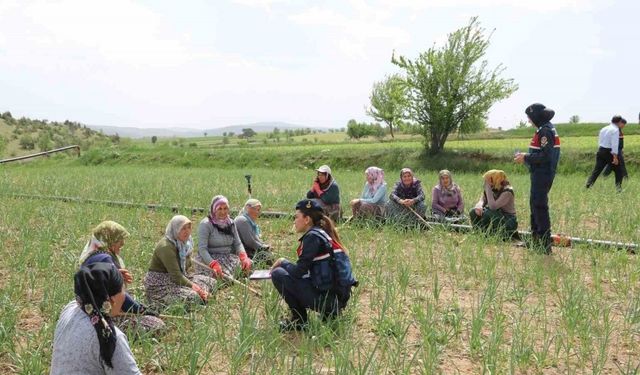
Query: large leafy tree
x=388 y=101
x=451 y=88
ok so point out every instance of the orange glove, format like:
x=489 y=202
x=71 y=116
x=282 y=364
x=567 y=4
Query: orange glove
x=245 y=261
x=316 y=189
x=201 y=292
x=215 y=267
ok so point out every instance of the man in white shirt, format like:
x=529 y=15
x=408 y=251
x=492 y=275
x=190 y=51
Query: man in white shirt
x=608 y=152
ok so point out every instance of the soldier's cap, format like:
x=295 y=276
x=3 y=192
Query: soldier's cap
x=324 y=169
x=539 y=114
x=308 y=205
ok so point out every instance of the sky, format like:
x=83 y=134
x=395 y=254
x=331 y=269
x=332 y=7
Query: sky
x=206 y=64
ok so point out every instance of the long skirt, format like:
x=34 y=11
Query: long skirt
x=495 y=222
x=332 y=210
x=397 y=213
x=449 y=217
x=161 y=291
x=132 y=324
x=230 y=264
x=367 y=210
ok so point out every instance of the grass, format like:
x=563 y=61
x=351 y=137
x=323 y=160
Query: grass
x=428 y=302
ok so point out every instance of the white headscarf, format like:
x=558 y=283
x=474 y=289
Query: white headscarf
x=171 y=233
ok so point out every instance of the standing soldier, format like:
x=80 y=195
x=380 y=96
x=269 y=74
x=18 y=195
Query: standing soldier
x=542 y=160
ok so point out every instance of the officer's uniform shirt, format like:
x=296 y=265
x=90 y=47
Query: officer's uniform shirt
x=609 y=137
x=544 y=149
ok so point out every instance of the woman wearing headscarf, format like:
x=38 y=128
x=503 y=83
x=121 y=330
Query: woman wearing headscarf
x=495 y=212
x=86 y=341
x=249 y=232
x=105 y=245
x=326 y=192
x=170 y=278
x=374 y=195
x=407 y=196
x=446 y=198
x=219 y=245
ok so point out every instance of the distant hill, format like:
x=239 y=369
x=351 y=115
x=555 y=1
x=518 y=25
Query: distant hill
x=26 y=136
x=133 y=132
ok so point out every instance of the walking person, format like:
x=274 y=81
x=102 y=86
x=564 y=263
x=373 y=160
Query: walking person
x=542 y=160
x=608 y=148
x=621 y=165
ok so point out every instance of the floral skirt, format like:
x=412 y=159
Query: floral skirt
x=395 y=212
x=132 y=324
x=161 y=291
x=230 y=264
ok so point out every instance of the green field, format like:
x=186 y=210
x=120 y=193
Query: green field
x=428 y=302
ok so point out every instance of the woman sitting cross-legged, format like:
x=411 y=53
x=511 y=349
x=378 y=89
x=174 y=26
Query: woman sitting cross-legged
x=374 y=196
x=446 y=199
x=326 y=192
x=407 y=196
x=495 y=212
x=219 y=245
x=170 y=278
x=321 y=279
x=249 y=232
x=86 y=341
x=105 y=245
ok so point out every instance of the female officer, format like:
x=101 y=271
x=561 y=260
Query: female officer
x=321 y=279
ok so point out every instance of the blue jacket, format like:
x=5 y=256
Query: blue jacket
x=544 y=150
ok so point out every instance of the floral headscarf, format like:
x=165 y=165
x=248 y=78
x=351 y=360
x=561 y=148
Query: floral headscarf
x=215 y=203
x=377 y=174
x=446 y=190
x=497 y=178
x=407 y=170
x=103 y=237
x=184 y=247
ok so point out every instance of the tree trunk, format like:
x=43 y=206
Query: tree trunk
x=390 y=129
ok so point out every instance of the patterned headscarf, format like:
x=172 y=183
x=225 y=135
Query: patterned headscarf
x=215 y=203
x=497 y=178
x=184 y=247
x=377 y=174
x=407 y=170
x=446 y=190
x=103 y=237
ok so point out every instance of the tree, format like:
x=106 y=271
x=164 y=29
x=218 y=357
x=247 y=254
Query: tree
x=3 y=143
x=26 y=142
x=388 y=101
x=247 y=133
x=575 y=119
x=205 y=134
x=451 y=89
x=154 y=139
x=44 y=142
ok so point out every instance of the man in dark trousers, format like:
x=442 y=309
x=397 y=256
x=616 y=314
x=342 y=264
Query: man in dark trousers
x=621 y=165
x=542 y=160
x=608 y=148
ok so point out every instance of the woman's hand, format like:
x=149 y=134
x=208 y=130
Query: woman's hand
x=245 y=262
x=215 y=267
x=478 y=211
x=354 y=202
x=277 y=263
x=126 y=275
x=201 y=292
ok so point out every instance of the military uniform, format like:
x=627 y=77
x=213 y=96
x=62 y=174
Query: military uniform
x=542 y=160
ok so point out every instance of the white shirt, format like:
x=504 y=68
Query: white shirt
x=609 y=138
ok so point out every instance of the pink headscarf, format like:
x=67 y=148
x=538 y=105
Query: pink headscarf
x=377 y=174
x=215 y=203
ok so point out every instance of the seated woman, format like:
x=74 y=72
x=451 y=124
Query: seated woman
x=170 y=278
x=446 y=199
x=321 y=279
x=105 y=245
x=249 y=232
x=326 y=192
x=495 y=212
x=219 y=245
x=406 y=196
x=85 y=340
x=374 y=195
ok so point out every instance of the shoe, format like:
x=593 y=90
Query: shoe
x=288 y=325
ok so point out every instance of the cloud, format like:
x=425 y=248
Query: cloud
x=536 y=6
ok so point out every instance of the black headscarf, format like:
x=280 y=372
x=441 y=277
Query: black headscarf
x=539 y=114
x=93 y=285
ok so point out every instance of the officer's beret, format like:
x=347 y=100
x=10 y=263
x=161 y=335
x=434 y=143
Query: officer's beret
x=539 y=114
x=308 y=205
